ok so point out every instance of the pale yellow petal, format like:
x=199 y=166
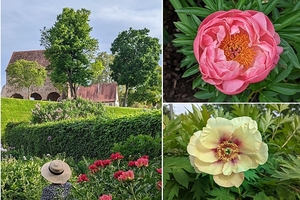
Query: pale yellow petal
x=261 y=156
x=244 y=163
x=215 y=129
x=209 y=168
x=248 y=140
x=239 y=121
x=192 y=161
x=196 y=149
x=230 y=180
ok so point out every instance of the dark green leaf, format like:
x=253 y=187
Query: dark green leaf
x=197 y=82
x=198 y=11
x=287 y=19
x=261 y=196
x=210 y=4
x=191 y=71
x=181 y=177
x=283 y=74
x=240 y=4
x=270 y=6
x=284 y=88
x=204 y=95
x=186 y=29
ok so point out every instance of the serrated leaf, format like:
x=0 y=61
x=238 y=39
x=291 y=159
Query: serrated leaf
x=261 y=196
x=181 y=177
x=191 y=71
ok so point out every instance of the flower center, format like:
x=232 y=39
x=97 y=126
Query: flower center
x=236 y=48
x=227 y=151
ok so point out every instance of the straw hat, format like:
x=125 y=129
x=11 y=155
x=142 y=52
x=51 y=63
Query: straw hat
x=56 y=171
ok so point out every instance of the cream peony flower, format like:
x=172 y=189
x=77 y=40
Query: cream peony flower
x=226 y=148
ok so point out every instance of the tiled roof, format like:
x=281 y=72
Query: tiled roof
x=99 y=92
x=35 y=55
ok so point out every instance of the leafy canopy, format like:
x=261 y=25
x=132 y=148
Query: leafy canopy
x=70 y=48
x=136 y=57
x=24 y=73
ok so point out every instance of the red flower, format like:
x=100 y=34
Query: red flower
x=93 y=168
x=131 y=164
x=126 y=176
x=145 y=156
x=106 y=162
x=141 y=162
x=158 y=185
x=82 y=178
x=118 y=173
x=159 y=170
x=116 y=156
x=102 y=163
x=105 y=197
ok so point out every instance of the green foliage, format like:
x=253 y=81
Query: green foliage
x=136 y=57
x=23 y=74
x=106 y=60
x=66 y=109
x=70 y=48
x=278 y=178
x=21 y=179
x=16 y=110
x=149 y=92
x=91 y=137
x=282 y=83
x=143 y=144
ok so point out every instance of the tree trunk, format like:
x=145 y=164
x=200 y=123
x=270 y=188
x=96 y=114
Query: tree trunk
x=125 y=96
x=28 y=95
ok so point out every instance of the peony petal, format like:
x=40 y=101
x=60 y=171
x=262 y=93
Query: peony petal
x=196 y=149
x=244 y=163
x=228 y=168
x=232 y=87
x=215 y=129
x=229 y=181
x=209 y=168
x=261 y=156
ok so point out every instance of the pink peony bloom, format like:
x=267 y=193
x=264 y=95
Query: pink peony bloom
x=116 y=156
x=226 y=148
x=141 y=162
x=235 y=48
x=82 y=178
x=105 y=197
x=126 y=176
x=118 y=173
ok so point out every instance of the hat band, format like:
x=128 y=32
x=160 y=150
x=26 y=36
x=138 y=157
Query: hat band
x=55 y=173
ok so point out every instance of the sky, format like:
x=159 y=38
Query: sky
x=21 y=22
x=181 y=108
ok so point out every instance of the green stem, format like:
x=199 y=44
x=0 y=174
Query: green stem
x=132 y=191
x=240 y=196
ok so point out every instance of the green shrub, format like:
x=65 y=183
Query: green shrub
x=92 y=137
x=66 y=109
x=144 y=144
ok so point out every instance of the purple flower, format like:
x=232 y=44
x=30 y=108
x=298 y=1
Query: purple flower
x=49 y=138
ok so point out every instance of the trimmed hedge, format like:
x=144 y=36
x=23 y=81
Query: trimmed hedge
x=93 y=138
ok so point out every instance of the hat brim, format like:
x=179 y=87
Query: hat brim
x=58 y=179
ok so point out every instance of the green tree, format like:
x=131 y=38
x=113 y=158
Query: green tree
x=105 y=75
x=136 y=57
x=70 y=48
x=24 y=73
x=149 y=92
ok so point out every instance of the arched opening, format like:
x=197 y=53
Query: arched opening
x=36 y=96
x=17 y=96
x=53 y=96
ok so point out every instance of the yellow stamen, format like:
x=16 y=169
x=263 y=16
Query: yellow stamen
x=227 y=151
x=236 y=48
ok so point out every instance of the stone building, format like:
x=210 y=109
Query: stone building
x=105 y=93
x=45 y=92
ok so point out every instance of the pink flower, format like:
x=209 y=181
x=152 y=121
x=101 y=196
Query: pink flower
x=226 y=148
x=126 y=176
x=102 y=163
x=159 y=170
x=235 y=48
x=141 y=162
x=131 y=164
x=82 y=178
x=118 y=173
x=105 y=197
x=116 y=156
x=93 y=168
x=158 y=185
